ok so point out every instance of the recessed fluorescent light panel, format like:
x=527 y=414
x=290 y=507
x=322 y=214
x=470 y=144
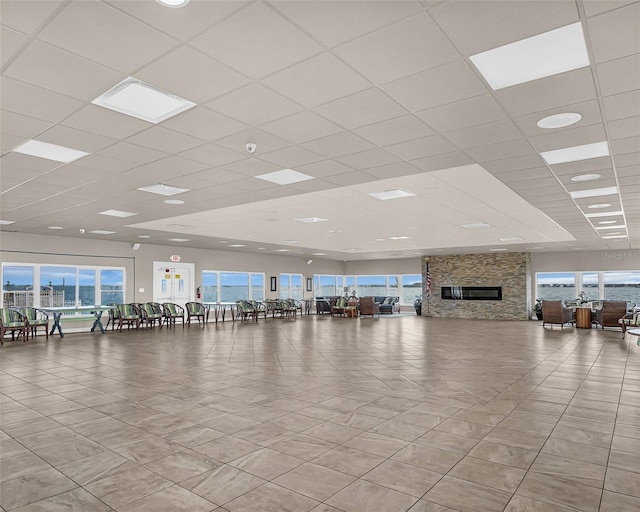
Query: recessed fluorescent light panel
x=117 y=213
x=594 y=192
x=56 y=227
x=599 y=205
x=144 y=101
x=391 y=194
x=319 y=254
x=50 y=151
x=163 y=190
x=101 y=232
x=546 y=54
x=602 y=214
x=6 y=222
x=236 y=245
x=607 y=222
x=615 y=236
x=475 y=225
x=511 y=239
x=399 y=238
x=311 y=219
x=617 y=226
x=559 y=120
x=144 y=236
x=283 y=250
x=496 y=250
x=285 y=177
x=179 y=240
x=576 y=153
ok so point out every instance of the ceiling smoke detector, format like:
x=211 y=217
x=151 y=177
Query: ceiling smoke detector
x=251 y=147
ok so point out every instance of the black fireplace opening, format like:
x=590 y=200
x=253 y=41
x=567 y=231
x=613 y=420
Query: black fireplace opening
x=471 y=292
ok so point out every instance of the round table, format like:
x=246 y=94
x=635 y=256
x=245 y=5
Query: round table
x=583 y=318
x=635 y=332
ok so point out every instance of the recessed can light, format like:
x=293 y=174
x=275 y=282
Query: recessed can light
x=586 y=177
x=236 y=245
x=319 y=254
x=5 y=222
x=174 y=201
x=56 y=227
x=607 y=222
x=101 y=232
x=144 y=236
x=599 y=205
x=559 y=120
x=179 y=240
x=174 y=4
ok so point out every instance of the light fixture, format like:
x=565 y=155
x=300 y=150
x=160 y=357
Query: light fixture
x=236 y=245
x=602 y=214
x=576 y=153
x=100 y=232
x=398 y=237
x=285 y=177
x=290 y=242
x=135 y=247
x=510 y=239
x=607 y=222
x=144 y=236
x=174 y=4
x=546 y=54
x=117 y=213
x=261 y=248
x=319 y=254
x=311 y=219
x=283 y=250
x=56 y=227
x=7 y=222
x=474 y=225
x=594 y=192
x=174 y=201
x=50 y=151
x=599 y=205
x=586 y=177
x=143 y=101
x=497 y=250
x=179 y=240
x=559 y=120
x=309 y=262
x=615 y=236
x=617 y=226
x=163 y=190
x=379 y=239
x=391 y=194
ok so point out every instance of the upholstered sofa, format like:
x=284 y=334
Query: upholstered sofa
x=387 y=304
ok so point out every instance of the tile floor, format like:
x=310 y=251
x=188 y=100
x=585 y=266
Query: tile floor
x=323 y=414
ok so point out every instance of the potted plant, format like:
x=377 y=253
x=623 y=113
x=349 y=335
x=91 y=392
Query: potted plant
x=537 y=309
x=417 y=304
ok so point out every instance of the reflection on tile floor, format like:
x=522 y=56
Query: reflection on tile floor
x=322 y=414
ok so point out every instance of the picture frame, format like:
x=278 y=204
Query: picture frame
x=309 y=284
x=274 y=284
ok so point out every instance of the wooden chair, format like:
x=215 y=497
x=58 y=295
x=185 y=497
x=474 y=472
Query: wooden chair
x=128 y=314
x=35 y=318
x=246 y=311
x=629 y=321
x=351 y=308
x=610 y=312
x=151 y=312
x=195 y=310
x=172 y=312
x=12 y=320
x=338 y=307
x=554 y=312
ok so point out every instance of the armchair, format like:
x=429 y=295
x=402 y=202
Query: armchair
x=338 y=307
x=151 y=312
x=128 y=314
x=369 y=307
x=629 y=321
x=12 y=320
x=554 y=312
x=35 y=318
x=172 y=312
x=610 y=312
x=195 y=310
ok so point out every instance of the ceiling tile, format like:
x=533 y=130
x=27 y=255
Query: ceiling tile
x=422 y=147
x=622 y=105
x=444 y=161
x=624 y=23
x=108 y=36
x=103 y=165
x=339 y=144
x=182 y=24
x=514 y=164
x=491 y=133
x=336 y=22
x=369 y=159
x=620 y=75
x=21 y=161
x=8 y=142
x=26 y=16
x=207 y=78
x=628 y=145
x=163 y=139
x=10 y=42
x=204 y=123
x=624 y=128
x=35 y=102
x=324 y=168
x=478 y=26
x=584 y=166
x=257 y=42
x=43 y=65
x=393 y=170
x=254 y=105
x=547 y=93
x=214 y=155
x=302 y=127
x=568 y=137
x=500 y=151
x=105 y=122
x=264 y=141
x=446 y=84
x=366 y=107
x=252 y=167
x=20 y=125
x=461 y=114
x=589 y=110
x=350 y=178
x=292 y=157
x=399 y=50
x=76 y=139
x=399 y=129
x=132 y=153
x=317 y=80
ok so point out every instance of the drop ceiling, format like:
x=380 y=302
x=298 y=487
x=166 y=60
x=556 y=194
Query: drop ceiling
x=363 y=97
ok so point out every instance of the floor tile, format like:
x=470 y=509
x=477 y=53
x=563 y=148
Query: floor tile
x=76 y=500
x=363 y=496
x=33 y=487
x=222 y=484
x=433 y=459
x=171 y=499
x=348 y=460
x=127 y=486
x=490 y=474
x=182 y=465
x=314 y=481
x=467 y=496
x=559 y=492
x=271 y=498
x=403 y=477
x=266 y=463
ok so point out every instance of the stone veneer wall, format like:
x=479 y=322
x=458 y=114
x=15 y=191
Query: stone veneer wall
x=512 y=271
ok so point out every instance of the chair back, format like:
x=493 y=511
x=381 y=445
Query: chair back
x=172 y=310
x=195 y=308
x=128 y=311
x=11 y=317
x=341 y=302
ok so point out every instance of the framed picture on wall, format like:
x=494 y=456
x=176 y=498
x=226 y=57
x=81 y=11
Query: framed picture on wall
x=274 y=284
x=309 y=285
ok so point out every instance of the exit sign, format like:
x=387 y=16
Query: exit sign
x=174 y=257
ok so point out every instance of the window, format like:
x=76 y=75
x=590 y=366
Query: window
x=556 y=286
x=61 y=285
x=622 y=286
x=231 y=286
x=590 y=285
x=371 y=286
x=411 y=286
x=326 y=286
x=291 y=286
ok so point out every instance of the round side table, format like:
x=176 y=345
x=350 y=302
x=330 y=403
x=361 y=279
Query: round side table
x=583 y=318
x=635 y=332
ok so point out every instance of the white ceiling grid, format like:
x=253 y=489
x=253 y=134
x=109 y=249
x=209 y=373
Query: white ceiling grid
x=363 y=96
